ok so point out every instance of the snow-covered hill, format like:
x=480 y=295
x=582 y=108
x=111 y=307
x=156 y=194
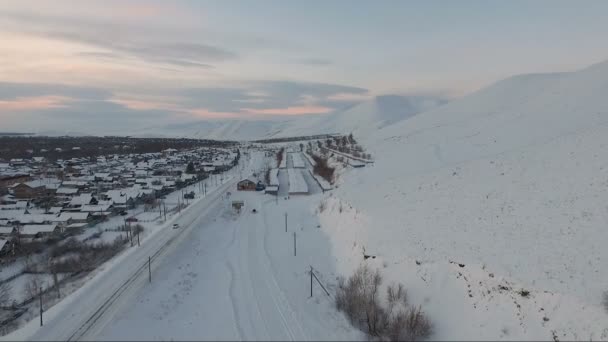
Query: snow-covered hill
x=362 y=119
x=475 y=203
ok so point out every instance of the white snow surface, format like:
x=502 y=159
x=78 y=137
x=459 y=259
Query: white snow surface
x=274 y=177
x=297 y=160
x=297 y=183
x=511 y=183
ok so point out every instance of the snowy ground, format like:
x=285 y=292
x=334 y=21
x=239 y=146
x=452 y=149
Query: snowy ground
x=297 y=184
x=236 y=278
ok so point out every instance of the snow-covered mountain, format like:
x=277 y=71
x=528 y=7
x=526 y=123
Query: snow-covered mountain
x=491 y=208
x=361 y=119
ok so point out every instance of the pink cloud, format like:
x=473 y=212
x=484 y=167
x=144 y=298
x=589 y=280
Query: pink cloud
x=145 y=104
x=298 y=110
x=34 y=103
x=205 y=113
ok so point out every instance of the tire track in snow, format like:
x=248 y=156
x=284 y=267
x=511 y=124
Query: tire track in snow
x=252 y=236
x=235 y=311
x=276 y=288
x=244 y=268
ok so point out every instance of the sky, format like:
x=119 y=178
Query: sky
x=118 y=63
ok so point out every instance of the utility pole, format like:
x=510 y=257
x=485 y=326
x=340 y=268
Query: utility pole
x=310 y=281
x=138 y=238
x=40 y=295
x=294 y=243
x=285 y=222
x=149 y=269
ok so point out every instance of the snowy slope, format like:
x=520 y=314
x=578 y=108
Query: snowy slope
x=366 y=117
x=512 y=183
x=361 y=120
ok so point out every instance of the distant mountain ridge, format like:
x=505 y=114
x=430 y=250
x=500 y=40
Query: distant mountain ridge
x=361 y=119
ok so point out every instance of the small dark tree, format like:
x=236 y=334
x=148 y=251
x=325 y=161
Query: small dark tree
x=190 y=168
x=351 y=139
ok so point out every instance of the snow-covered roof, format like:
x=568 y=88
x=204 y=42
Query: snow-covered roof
x=95 y=208
x=35 y=218
x=67 y=191
x=82 y=199
x=7 y=230
x=11 y=214
x=33 y=229
x=3 y=243
x=74 y=216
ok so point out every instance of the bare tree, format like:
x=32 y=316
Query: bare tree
x=359 y=299
x=32 y=287
x=5 y=294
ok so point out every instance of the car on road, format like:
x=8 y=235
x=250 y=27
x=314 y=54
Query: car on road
x=175 y=226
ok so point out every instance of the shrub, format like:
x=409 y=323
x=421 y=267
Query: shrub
x=322 y=169
x=358 y=298
x=322 y=206
x=280 y=156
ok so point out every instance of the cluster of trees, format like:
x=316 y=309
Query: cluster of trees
x=346 y=144
x=280 y=156
x=392 y=320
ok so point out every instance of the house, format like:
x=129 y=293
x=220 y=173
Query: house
x=246 y=185
x=82 y=199
x=23 y=190
x=38 y=230
x=7 y=180
x=35 y=189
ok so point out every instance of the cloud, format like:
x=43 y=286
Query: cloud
x=12 y=90
x=74 y=107
x=314 y=61
x=299 y=110
x=143 y=42
x=33 y=103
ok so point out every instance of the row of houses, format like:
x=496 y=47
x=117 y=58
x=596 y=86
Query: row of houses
x=45 y=199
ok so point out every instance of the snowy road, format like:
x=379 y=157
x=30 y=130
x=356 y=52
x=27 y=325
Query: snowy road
x=222 y=284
